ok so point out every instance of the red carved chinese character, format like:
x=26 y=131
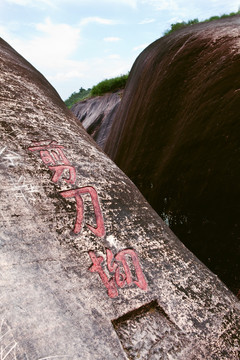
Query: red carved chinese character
x=121 y=257
x=50 y=153
x=96 y=267
x=46 y=157
x=60 y=169
x=53 y=156
x=99 y=230
x=113 y=264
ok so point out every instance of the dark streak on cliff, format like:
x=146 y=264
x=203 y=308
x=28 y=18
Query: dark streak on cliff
x=176 y=135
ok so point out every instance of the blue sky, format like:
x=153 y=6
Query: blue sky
x=77 y=43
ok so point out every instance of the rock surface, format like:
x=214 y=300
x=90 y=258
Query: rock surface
x=88 y=270
x=176 y=135
x=97 y=114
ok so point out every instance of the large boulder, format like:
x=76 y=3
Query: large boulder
x=88 y=270
x=97 y=114
x=176 y=135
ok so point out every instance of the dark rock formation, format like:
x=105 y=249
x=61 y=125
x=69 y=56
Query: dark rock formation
x=88 y=270
x=176 y=135
x=97 y=114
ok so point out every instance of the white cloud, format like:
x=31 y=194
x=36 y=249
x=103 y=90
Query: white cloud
x=97 y=69
x=114 y=56
x=163 y=4
x=56 y=40
x=140 y=47
x=131 y=3
x=194 y=8
x=67 y=75
x=5 y=34
x=97 y=20
x=111 y=39
x=58 y=3
x=48 y=40
x=18 y=2
x=171 y=5
x=33 y=3
x=50 y=50
x=175 y=20
x=147 y=21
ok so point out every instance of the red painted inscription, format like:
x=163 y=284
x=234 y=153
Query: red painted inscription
x=59 y=171
x=99 y=230
x=120 y=273
x=53 y=156
x=96 y=267
x=120 y=269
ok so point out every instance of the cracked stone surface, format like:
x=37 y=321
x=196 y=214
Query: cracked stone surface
x=88 y=270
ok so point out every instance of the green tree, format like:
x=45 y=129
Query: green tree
x=77 y=96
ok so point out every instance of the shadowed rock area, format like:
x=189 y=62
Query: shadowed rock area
x=88 y=270
x=97 y=114
x=176 y=135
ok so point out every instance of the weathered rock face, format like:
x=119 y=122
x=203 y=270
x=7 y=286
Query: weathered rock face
x=176 y=135
x=97 y=115
x=87 y=269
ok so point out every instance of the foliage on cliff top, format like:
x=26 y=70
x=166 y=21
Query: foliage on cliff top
x=107 y=85
x=183 y=24
x=77 y=96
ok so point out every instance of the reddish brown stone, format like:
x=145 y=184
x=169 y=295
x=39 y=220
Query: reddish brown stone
x=176 y=135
